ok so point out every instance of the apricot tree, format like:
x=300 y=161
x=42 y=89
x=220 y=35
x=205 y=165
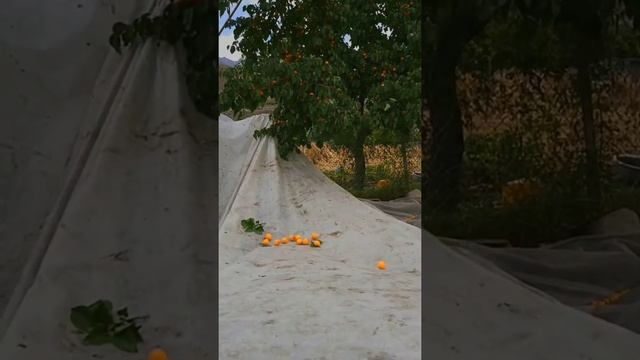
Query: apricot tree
x=337 y=70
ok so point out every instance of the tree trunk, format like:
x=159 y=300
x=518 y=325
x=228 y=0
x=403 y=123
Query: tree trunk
x=405 y=164
x=360 y=163
x=586 y=35
x=584 y=90
x=360 y=160
x=444 y=171
x=447 y=142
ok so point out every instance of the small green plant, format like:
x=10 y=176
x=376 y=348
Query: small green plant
x=99 y=326
x=498 y=158
x=251 y=225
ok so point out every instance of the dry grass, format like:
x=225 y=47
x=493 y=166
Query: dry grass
x=328 y=158
x=547 y=106
x=542 y=113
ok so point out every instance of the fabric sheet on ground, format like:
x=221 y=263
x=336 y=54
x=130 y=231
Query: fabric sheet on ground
x=300 y=301
x=598 y=267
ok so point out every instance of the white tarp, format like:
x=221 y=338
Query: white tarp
x=407 y=209
x=298 y=302
x=332 y=302
x=476 y=311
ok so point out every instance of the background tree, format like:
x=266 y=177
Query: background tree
x=523 y=103
x=585 y=28
x=449 y=27
x=326 y=88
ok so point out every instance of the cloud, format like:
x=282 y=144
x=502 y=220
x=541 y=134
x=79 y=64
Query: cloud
x=223 y=42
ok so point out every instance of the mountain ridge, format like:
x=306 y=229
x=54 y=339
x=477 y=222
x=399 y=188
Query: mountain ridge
x=227 y=62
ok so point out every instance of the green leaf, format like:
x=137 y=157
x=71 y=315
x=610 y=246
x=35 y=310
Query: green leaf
x=99 y=327
x=101 y=312
x=119 y=27
x=114 y=41
x=127 y=339
x=125 y=344
x=97 y=337
x=101 y=304
x=123 y=313
x=251 y=225
x=136 y=334
x=128 y=36
x=81 y=318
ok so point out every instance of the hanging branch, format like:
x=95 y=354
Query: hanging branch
x=188 y=23
x=229 y=18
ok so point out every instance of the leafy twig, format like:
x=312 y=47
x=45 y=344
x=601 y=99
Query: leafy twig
x=99 y=326
x=252 y=226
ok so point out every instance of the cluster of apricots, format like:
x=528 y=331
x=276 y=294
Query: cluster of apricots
x=299 y=240
x=294 y=239
x=288 y=57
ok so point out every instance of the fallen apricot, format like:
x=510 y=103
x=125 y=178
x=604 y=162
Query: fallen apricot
x=381 y=265
x=315 y=235
x=157 y=354
x=268 y=236
x=284 y=241
x=383 y=184
x=276 y=243
x=265 y=242
x=299 y=241
x=305 y=242
x=297 y=236
x=316 y=243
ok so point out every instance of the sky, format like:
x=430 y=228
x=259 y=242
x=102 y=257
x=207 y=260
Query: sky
x=226 y=38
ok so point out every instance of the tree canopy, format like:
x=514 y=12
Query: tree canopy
x=337 y=70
